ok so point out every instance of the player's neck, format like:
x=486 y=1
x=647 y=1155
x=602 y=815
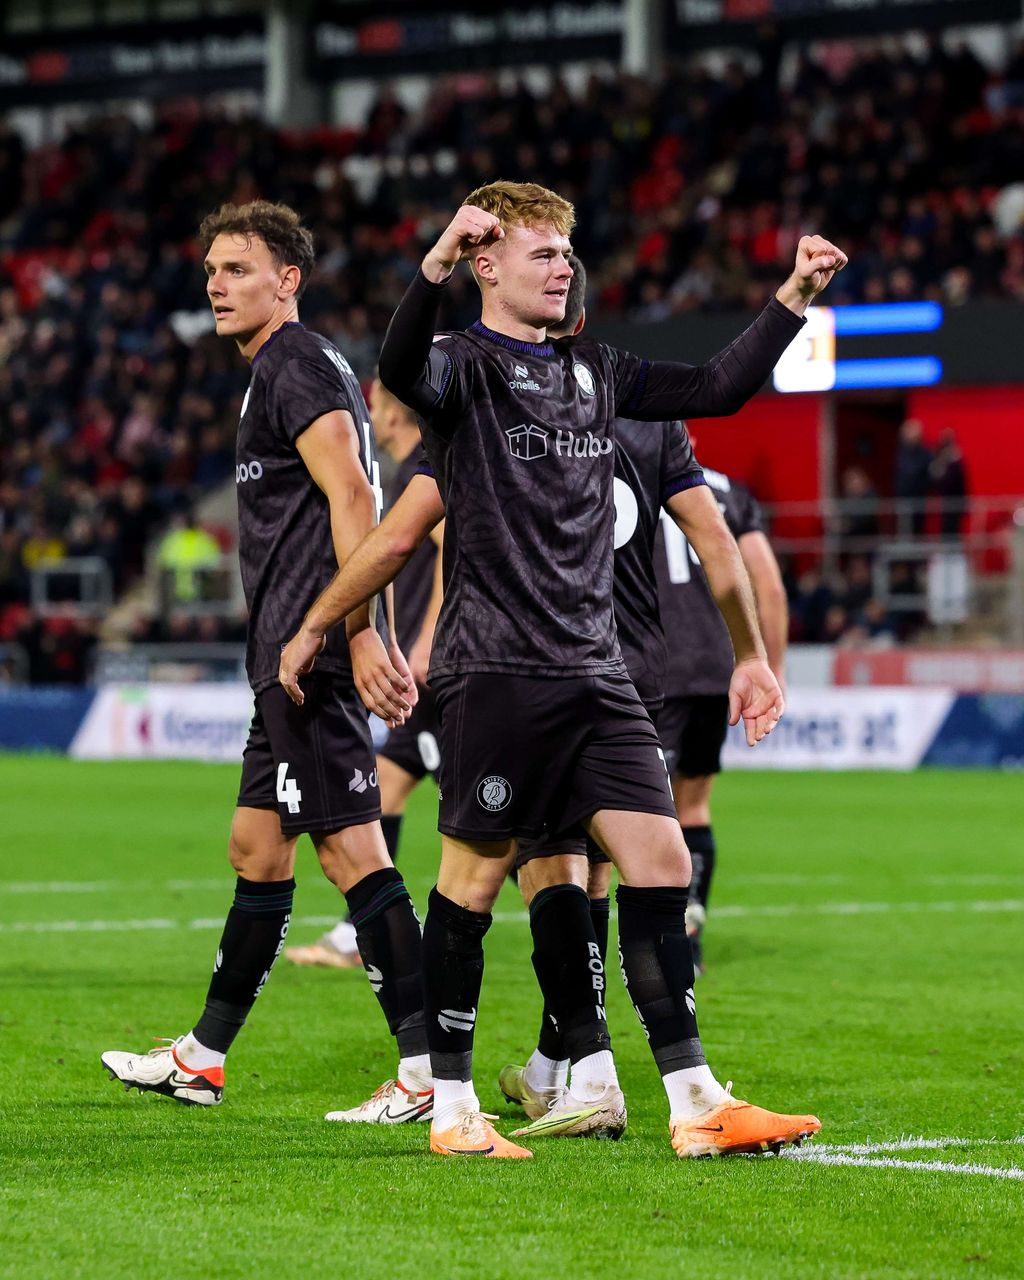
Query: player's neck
x=401 y=446
x=249 y=346
x=496 y=318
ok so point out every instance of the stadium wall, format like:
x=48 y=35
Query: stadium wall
x=880 y=727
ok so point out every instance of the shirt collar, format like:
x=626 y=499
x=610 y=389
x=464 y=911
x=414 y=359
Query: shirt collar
x=512 y=344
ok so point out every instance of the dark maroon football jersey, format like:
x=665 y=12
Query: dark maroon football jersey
x=521 y=439
x=700 y=656
x=284 y=522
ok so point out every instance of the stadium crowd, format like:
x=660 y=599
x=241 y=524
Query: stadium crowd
x=116 y=408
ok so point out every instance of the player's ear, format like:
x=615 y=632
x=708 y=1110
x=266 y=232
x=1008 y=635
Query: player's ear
x=580 y=322
x=484 y=268
x=290 y=280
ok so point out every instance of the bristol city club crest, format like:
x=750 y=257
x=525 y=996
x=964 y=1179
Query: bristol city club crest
x=494 y=793
x=585 y=379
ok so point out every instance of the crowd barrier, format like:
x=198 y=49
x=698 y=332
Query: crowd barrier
x=824 y=728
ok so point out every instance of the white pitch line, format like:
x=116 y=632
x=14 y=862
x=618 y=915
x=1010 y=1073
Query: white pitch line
x=136 y=926
x=217 y=883
x=809 y=1155
x=1008 y=905
x=913 y=1144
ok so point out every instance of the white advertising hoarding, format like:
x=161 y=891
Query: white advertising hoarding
x=877 y=728
x=166 y=722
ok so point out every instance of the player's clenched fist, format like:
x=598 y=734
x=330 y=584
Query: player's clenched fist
x=470 y=229
x=817 y=261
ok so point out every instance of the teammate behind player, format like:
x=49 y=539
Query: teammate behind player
x=308 y=491
x=410 y=750
x=694 y=718
x=651 y=460
x=518 y=431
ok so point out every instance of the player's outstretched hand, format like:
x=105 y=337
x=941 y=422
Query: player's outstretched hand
x=469 y=230
x=817 y=261
x=755 y=695
x=384 y=689
x=297 y=658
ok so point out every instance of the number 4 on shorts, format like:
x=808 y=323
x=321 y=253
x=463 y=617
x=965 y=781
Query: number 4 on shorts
x=287 y=789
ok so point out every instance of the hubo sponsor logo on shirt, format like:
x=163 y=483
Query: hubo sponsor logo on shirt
x=248 y=471
x=529 y=442
x=522 y=381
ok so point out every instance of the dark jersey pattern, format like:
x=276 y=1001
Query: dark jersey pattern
x=700 y=656
x=652 y=462
x=521 y=436
x=414 y=584
x=284 y=524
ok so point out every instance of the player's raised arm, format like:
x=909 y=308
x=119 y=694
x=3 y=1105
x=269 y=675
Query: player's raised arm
x=656 y=390
x=411 y=368
x=368 y=570
x=754 y=692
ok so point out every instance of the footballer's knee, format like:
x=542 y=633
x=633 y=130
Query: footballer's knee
x=599 y=879
x=546 y=873
x=257 y=848
x=349 y=855
x=472 y=873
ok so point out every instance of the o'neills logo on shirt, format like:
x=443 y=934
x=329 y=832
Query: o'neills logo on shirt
x=529 y=442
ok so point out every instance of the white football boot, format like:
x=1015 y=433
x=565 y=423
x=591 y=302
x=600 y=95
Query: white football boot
x=392 y=1103
x=159 y=1071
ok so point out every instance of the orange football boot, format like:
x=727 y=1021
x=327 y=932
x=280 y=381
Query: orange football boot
x=474 y=1135
x=736 y=1127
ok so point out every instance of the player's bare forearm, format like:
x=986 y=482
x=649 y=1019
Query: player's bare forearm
x=696 y=513
x=770 y=594
x=367 y=571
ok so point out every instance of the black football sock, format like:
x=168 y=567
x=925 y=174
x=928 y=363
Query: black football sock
x=549 y=1042
x=701 y=843
x=391 y=825
x=600 y=913
x=388 y=937
x=453 y=970
x=569 y=968
x=657 y=966
x=253 y=936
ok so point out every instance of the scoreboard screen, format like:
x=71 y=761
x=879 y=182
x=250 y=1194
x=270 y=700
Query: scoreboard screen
x=827 y=355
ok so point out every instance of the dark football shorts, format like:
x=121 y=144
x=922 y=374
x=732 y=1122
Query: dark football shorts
x=576 y=842
x=530 y=756
x=692 y=731
x=314 y=764
x=413 y=746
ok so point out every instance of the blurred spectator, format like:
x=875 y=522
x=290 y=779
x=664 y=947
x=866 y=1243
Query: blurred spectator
x=184 y=549
x=948 y=477
x=911 y=479
x=860 y=505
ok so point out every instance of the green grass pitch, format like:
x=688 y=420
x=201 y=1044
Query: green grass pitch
x=865 y=960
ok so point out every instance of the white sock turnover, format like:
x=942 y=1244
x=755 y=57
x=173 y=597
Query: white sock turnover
x=414 y=1073
x=543 y=1074
x=592 y=1075
x=452 y=1100
x=692 y=1092
x=194 y=1055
